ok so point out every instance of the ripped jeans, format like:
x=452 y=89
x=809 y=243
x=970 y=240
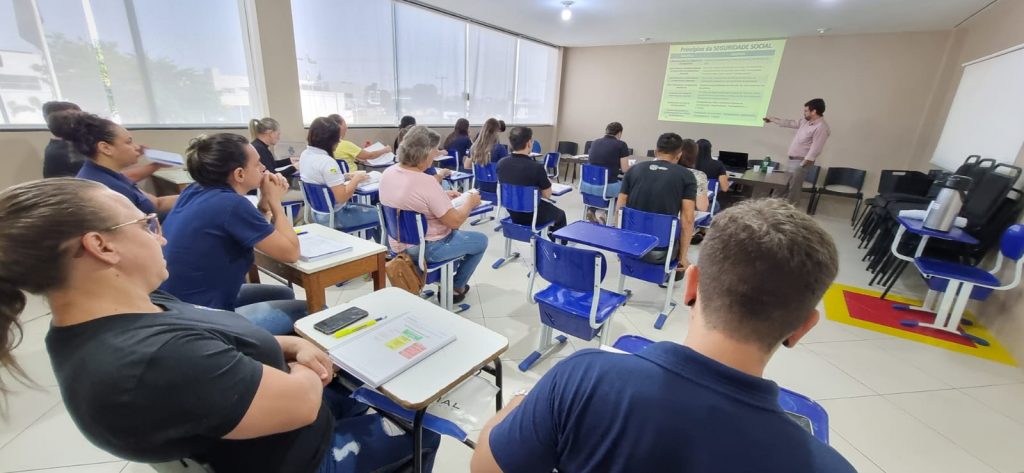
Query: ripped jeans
x=368 y=442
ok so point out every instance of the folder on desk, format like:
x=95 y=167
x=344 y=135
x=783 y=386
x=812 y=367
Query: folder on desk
x=560 y=189
x=315 y=247
x=458 y=201
x=165 y=157
x=389 y=348
x=372 y=182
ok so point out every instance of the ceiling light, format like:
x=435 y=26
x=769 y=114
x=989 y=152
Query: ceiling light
x=566 y=12
x=823 y=30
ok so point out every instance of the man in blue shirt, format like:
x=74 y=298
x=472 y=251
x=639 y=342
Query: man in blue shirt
x=697 y=407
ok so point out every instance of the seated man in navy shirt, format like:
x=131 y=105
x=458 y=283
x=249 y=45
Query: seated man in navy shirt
x=521 y=170
x=697 y=407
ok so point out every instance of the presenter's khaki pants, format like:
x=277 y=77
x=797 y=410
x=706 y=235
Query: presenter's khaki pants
x=796 y=181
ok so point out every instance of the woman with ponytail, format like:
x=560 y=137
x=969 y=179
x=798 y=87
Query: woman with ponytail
x=213 y=230
x=111 y=150
x=486 y=149
x=149 y=378
x=265 y=133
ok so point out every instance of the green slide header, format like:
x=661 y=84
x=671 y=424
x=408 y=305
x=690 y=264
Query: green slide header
x=720 y=83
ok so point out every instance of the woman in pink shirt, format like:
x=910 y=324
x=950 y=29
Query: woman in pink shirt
x=406 y=187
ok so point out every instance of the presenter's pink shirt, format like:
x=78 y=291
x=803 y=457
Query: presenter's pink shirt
x=810 y=137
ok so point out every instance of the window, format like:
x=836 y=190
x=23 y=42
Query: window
x=375 y=60
x=346 y=57
x=537 y=81
x=134 y=61
x=491 y=74
x=431 y=65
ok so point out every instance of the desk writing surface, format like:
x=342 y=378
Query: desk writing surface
x=424 y=382
x=608 y=238
x=778 y=178
x=360 y=249
x=955 y=234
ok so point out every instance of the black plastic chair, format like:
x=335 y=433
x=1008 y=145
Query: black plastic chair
x=586 y=147
x=650 y=153
x=568 y=147
x=848 y=177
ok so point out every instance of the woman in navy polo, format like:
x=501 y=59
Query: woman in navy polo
x=110 y=150
x=213 y=229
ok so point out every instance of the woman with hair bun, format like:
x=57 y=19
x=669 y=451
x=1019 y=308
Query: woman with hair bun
x=213 y=230
x=111 y=150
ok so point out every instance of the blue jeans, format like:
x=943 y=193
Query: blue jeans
x=459 y=243
x=612 y=192
x=367 y=442
x=350 y=216
x=271 y=307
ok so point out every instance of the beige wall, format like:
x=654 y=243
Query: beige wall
x=23 y=150
x=997 y=28
x=876 y=88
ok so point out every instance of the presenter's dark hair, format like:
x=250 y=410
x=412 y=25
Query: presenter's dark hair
x=818 y=105
x=42 y=221
x=669 y=143
x=501 y=126
x=324 y=133
x=519 y=137
x=613 y=128
x=83 y=130
x=407 y=120
x=55 y=106
x=211 y=159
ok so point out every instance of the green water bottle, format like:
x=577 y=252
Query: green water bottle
x=767 y=163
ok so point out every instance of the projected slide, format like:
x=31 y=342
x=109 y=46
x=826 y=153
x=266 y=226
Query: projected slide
x=720 y=83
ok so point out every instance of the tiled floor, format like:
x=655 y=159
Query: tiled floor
x=895 y=406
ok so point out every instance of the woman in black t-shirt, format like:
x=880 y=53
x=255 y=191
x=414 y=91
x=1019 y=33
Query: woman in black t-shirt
x=152 y=379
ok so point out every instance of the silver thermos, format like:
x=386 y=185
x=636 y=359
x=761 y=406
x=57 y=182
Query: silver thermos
x=943 y=210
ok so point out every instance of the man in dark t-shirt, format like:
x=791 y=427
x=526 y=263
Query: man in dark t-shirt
x=612 y=153
x=521 y=170
x=663 y=186
x=697 y=407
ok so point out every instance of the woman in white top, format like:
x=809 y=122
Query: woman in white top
x=317 y=166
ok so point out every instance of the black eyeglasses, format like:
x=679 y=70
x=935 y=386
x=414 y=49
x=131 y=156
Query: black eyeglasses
x=152 y=224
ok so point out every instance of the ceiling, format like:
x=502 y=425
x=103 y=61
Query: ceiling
x=616 y=22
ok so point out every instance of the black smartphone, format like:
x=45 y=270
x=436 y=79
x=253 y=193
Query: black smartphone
x=340 y=320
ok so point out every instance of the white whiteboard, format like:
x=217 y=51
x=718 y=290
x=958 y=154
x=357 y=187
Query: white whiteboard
x=987 y=116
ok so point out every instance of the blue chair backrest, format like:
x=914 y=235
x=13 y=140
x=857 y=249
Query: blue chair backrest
x=343 y=165
x=487 y=173
x=594 y=174
x=1012 y=243
x=568 y=267
x=454 y=152
x=320 y=198
x=401 y=224
x=518 y=198
x=712 y=187
x=536 y=146
x=659 y=226
x=551 y=160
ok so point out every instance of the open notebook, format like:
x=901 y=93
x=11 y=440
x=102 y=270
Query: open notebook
x=384 y=159
x=315 y=247
x=458 y=201
x=371 y=183
x=379 y=353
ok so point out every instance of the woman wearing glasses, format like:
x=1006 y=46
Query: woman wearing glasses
x=150 y=378
x=213 y=229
